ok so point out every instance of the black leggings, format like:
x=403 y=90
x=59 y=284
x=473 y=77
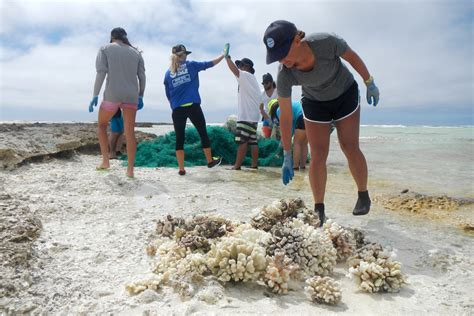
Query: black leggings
x=180 y=116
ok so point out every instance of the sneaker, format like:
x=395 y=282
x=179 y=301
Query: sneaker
x=182 y=172
x=215 y=162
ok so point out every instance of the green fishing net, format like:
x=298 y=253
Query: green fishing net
x=160 y=152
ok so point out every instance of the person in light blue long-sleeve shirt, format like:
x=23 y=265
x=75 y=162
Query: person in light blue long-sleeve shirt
x=300 y=141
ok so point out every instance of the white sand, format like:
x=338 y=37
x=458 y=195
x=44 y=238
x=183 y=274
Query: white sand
x=96 y=226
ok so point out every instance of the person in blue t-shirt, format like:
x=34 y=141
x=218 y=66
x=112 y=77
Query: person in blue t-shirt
x=182 y=90
x=300 y=141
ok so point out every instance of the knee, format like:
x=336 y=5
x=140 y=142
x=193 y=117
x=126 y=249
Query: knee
x=350 y=148
x=102 y=126
x=319 y=155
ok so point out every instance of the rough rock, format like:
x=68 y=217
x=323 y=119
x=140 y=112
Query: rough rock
x=22 y=143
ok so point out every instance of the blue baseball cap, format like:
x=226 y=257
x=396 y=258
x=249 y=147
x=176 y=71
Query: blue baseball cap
x=278 y=38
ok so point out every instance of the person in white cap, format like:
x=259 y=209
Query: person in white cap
x=329 y=93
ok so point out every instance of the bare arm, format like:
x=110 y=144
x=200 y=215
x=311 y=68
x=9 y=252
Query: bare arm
x=264 y=114
x=232 y=66
x=356 y=62
x=286 y=122
x=218 y=59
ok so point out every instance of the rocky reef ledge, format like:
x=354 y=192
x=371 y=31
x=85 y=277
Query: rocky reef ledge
x=22 y=143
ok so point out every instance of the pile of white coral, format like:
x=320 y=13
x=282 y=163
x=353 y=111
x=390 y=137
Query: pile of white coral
x=323 y=290
x=374 y=270
x=282 y=244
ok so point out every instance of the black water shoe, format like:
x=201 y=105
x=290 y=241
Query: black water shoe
x=319 y=209
x=362 y=206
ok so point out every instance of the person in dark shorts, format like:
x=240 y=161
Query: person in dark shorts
x=329 y=93
x=116 y=135
x=300 y=141
x=182 y=90
x=248 y=106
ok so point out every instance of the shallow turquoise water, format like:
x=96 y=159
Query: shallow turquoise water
x=438 y=160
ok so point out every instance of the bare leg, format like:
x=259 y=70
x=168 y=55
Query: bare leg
x=208 y=154
x=348 y=135
x=102 y=124
x=129 y=122
x=299 y=153
x=113 y=139
x=241 y=151
x=119 y=143
x=180 y=158
x=254 y=152
x=304 y=153
x=318 y=137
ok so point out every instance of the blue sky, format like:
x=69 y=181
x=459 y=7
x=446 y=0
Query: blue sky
x=419 y=52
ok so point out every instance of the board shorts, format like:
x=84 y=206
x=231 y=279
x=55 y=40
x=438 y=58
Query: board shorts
x=246 y=133
x=114 y=106
x=332 y=110
x=116 y=122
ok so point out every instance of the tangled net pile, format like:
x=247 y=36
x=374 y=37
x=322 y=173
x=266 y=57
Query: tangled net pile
x=160 y=152
x=281 y=246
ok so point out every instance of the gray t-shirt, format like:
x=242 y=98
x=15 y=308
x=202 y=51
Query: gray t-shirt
x=122 y=64
x=328 y=79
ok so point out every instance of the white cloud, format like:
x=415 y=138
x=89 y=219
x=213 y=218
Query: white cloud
x=420 y=52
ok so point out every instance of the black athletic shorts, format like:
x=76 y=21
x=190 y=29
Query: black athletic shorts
x=337 y=109
x=300 y=122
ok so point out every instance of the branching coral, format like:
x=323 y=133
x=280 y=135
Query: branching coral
x=343 y=240
x=374 y=270
x=167 y=226
x=170 y=254
x=236 y=259
x=323 y=290
x=308 y=247
x=209 y=226
x=282 y=211
x=278 y=272
x=153 y=284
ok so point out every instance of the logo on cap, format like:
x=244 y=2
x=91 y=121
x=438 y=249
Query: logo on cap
x=270 y=42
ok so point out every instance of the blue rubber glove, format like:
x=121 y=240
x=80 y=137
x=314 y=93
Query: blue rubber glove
x=287 y=172
x=226 y=49
x=93 y=103
x=140 y=103
x=372 y=91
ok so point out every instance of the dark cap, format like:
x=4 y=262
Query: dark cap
x=245 y=61
x=267 y=78
x=277 y=39
x=180 y=48
x=118 y=33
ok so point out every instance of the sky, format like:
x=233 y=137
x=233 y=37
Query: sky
x=419 y=52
